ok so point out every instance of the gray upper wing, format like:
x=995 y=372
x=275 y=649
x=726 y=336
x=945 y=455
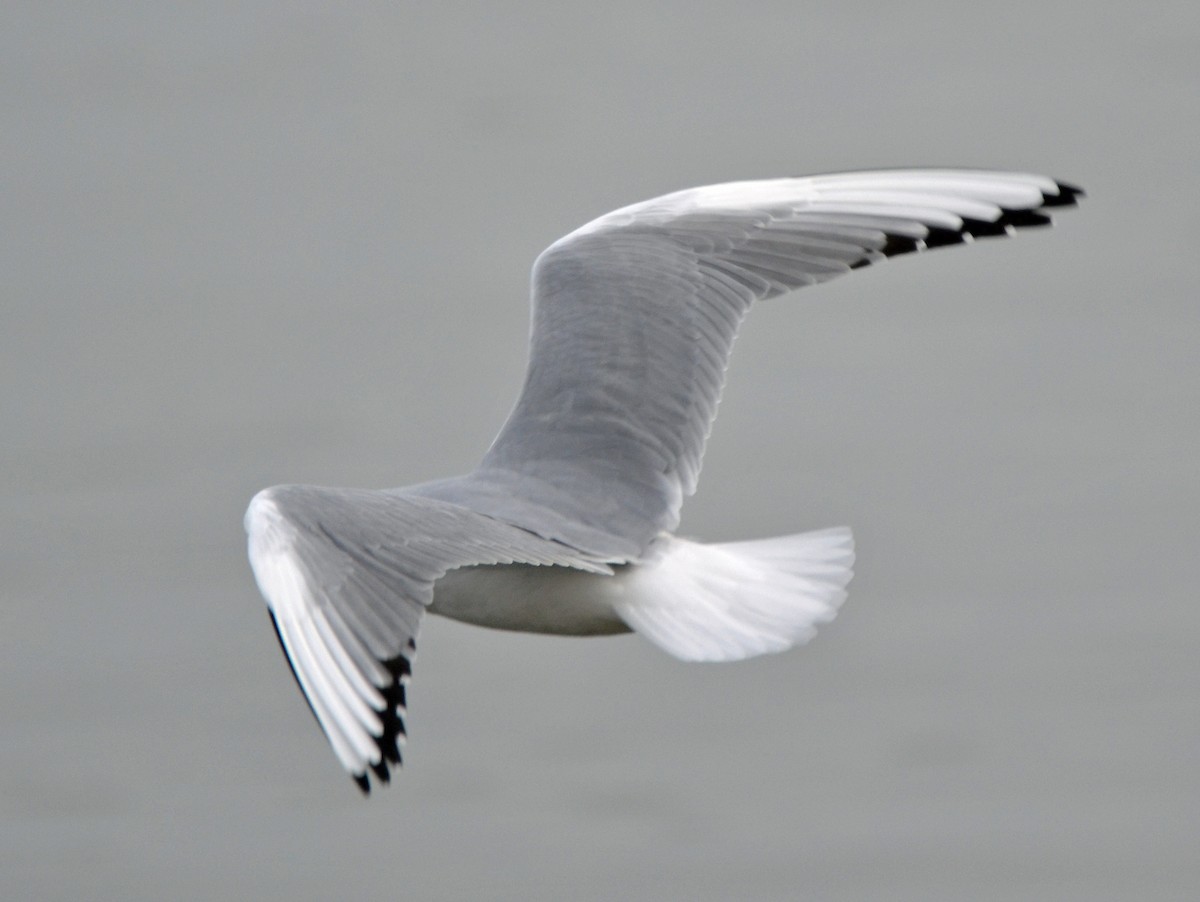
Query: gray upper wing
x=347 y=574
x=635 y=313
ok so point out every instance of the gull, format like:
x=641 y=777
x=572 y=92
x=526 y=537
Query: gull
x=567 y=525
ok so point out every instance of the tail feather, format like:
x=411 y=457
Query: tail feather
x=735 y=600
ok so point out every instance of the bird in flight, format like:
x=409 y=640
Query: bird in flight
x=566 y=527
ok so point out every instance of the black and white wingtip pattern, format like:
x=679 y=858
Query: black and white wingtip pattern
x=1067 y=196
x=1006 y=224
x=393 y=732
x=391 y=739
x=347 y=575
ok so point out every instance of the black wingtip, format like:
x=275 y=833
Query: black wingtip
x=899 y=244
x=1068 y=196
x=1004 y=224
x=981 y=228
x=391 y=719
x=939 y=237
x=381 y=771
x=1023 y=219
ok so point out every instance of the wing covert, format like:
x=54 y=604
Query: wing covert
x=635 y=314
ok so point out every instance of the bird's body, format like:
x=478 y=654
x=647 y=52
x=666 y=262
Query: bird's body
x=567 y=525
x=558 y=601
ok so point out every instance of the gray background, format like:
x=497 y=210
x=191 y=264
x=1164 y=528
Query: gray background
x=246 y=244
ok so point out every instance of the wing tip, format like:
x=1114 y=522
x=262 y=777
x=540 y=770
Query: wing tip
x=942 y=237
x=1007 y=223
x=395 y=730
x=1068 y=195
x=897 y=245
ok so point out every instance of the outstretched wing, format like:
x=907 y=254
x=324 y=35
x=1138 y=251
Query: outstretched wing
x=634 y=315
x=347 y=574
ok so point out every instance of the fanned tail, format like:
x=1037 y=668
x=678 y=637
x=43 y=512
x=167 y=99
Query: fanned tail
x=735 y=600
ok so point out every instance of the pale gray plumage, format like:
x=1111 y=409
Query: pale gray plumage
x=634 y=317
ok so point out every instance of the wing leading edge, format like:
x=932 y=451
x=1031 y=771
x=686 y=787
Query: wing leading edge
x=635 y=314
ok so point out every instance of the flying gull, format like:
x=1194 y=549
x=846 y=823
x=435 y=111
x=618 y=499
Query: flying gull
x=566 y=525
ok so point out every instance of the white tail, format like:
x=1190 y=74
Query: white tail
x=738 y=599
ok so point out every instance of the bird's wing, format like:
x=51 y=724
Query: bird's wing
x=347 y=575
x=634 y=315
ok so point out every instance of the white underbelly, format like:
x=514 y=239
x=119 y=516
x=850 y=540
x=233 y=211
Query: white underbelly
x=531 y=599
